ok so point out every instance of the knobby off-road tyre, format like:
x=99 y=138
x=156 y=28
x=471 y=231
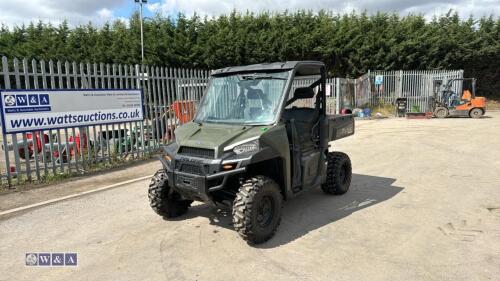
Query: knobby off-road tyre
x=441 y=112
x=339 y=173
x=257 y=209
x=164 y=202
x=476 y=113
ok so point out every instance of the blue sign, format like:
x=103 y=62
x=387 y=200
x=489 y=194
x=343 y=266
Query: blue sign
x=33 y=100
x=28 y=110
x=44 y=99
x=379 y=79
x=21 y=100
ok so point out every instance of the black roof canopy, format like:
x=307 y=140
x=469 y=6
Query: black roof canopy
x=304 y=68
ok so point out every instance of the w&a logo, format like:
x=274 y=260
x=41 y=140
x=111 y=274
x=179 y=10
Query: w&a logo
x=51 y=259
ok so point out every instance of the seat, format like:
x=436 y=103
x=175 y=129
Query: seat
x=255 y=103
x=305 y=120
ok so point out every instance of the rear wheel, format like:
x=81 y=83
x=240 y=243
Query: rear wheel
x=476 y=113
x=339 y=173
x=257 y=209
x=162 y=200
x=441 y=112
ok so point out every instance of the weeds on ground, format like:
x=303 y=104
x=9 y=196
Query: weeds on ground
x=385 y=109
x=492 y=104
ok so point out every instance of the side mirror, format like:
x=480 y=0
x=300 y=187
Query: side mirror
x=303 y=93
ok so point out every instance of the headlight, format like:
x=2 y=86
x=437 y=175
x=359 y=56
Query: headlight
x=247 y=147
x=167 y=158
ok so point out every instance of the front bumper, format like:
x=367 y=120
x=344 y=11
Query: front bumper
x=198 y=186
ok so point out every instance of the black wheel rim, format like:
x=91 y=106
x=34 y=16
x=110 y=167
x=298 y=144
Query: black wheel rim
x=344 y=171
x=265 y=211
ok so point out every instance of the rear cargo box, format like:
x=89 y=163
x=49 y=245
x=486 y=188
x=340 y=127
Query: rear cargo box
x=340 y=126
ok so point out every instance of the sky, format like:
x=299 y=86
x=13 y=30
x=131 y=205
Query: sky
x=77 y=12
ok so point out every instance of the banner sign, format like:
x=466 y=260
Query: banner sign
x=379 y=79
x=32 y=110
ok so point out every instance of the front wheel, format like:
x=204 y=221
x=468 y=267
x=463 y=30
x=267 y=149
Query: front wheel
x=257 y=209
x=339 y=174
x=441 y=112
x=162 y=200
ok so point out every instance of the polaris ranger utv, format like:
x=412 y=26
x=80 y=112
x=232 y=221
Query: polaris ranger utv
x=254 y=143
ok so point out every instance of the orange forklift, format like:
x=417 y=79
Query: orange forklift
x=447 y=103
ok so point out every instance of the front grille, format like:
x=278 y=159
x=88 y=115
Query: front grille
x=197 y=152
x=191 y=169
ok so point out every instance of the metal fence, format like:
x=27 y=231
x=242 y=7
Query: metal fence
x=418 y=87
x=170 y=97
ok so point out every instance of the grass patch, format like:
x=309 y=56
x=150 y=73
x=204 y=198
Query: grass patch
x=385 y=109
x=492 y=105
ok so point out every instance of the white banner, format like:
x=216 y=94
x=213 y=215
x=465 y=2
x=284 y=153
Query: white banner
x=32 y=110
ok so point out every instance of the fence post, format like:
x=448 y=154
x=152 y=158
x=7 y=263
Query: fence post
x=400 y=84
x=139 y=73
x=337 y=95
x=5 y=70
x=355 y=93
x=27 y=163
x=370 y=94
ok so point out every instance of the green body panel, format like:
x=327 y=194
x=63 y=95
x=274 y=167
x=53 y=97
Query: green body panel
x=215 y=136
x=277 y=138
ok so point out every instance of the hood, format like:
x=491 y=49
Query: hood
x=215 y=136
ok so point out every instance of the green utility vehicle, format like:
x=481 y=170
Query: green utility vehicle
x=261 y=136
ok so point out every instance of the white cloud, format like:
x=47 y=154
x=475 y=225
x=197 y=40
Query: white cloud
x=154 y=7
x=427 y=7
x=17 y=12
x=105 y=14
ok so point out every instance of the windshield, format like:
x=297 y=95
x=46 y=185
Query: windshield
x=250 y=98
